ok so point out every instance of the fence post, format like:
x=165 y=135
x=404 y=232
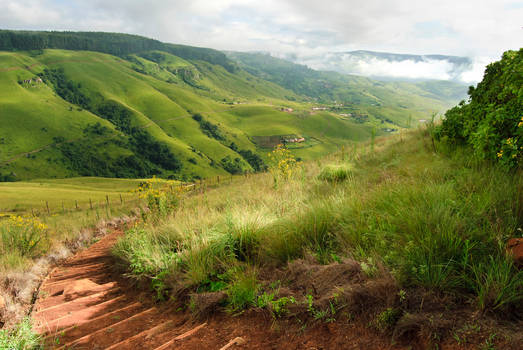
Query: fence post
x=90 y=203
x=107 y=200
x=76 y=204
x=47 y=205
x=121 y=199
x=218 y=179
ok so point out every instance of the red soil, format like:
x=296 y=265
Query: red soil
x=112 y=314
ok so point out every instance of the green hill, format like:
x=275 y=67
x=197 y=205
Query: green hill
x=359 y=93
x=116 y=105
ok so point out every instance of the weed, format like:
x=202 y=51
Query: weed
x=387 y=319
x=264 y=300
x=20 y=337
x=243 y=290
x=279 y=306
x=489 y=343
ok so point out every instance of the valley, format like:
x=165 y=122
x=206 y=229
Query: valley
x=179 y=197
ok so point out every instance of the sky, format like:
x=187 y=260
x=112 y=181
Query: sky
x=301 y=29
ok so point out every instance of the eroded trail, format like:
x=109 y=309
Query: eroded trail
x=84 y=304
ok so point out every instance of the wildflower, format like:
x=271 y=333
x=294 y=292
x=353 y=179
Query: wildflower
x=500 y=154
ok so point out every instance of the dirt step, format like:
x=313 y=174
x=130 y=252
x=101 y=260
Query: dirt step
x=77 y=275
x=147 y=339
x=57 y=311
x=84 y=315
x=171 y=341
x=118 y=332
x=52 y=287
x=60 y=299
x=82 y=323
x=78 y=268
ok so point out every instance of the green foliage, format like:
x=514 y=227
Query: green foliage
x=497 y=284
x=279 y=306
x=492 y=121
x=146 y=255
x=332 y=87
x=387 y=319
x=336 y=172
x=66 y=89
x=21 y=337
x=116 y=114
x=111 y=43
x=254 y=160
x=208 y=128
x=232 y=166
x=21 y=239
x=265 y=300
x=242 y=291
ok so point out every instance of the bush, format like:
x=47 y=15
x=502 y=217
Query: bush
x=23 y=236
x=492 y=121
x=336 y=172
x=232 y=166
x=208 y=128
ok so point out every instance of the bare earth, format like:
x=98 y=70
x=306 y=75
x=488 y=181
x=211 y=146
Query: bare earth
x=84 y=304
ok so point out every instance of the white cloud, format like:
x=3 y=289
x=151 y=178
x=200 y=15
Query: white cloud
x=475 y=28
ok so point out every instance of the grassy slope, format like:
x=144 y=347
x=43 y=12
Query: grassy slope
x=163 y=108
x=32 y=116
x=393 y=100
x=424 y=225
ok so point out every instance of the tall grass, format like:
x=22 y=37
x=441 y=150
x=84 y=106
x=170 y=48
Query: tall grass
x=437 y=221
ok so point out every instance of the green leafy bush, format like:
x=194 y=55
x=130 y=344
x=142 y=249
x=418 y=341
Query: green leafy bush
x=492 y=121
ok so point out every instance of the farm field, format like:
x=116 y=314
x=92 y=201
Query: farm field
x=21 y=197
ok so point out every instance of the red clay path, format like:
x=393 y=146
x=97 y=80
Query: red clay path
x=84 y=304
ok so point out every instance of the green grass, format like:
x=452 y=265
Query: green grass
x=335 y=172
x=20 y=337
x=433 y=221
x=69 y=202
x=24 y=196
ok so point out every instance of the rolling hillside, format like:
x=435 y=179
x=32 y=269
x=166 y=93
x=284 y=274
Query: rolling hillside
x=76 y=109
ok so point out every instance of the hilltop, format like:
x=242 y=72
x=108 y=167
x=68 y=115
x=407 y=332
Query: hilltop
x=118 y=105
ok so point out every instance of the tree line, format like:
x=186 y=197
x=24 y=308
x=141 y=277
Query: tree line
x=111 y=43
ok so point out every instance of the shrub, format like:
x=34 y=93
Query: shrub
x=162 y=196
x=282 y=163
x=336 y=172
x=22 y=235
x=492 y=122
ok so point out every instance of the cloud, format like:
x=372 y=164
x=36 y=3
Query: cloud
x=475 y=28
